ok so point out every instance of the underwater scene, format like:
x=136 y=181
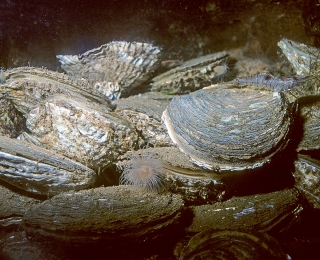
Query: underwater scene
x=159 y=129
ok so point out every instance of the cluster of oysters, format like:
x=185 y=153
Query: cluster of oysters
x=60 y=133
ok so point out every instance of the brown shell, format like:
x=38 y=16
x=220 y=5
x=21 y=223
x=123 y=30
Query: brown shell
x=118 y=214
x=230 y=127
x=261 y=212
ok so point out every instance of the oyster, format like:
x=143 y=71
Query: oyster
x=68 y=116
x=40 y=171
x=230 y=127
x=114 y=68
x=307 y=178
x=193 y=74
x=13 y=206
x=260 y=212
x=304 y=59
x=118 y=214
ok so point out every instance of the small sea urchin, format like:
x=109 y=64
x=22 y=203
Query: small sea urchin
x=145 y=171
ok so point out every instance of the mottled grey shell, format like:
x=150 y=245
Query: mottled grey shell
x=303 y=58
x=307 y=178
x=230 y=127
x=114 y=68
x=193 y=74
x=36 y=170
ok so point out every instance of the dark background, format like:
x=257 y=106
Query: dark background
x=33 y=32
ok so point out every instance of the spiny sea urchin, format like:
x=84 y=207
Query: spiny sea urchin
x=145 y=171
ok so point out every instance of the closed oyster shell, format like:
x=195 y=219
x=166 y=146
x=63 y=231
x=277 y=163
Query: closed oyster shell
x=118 y=214
x=80 y=133
x=309 y=113
x=231 y=244
x=41 y=171
x=230 y=127
x=13 y=206
x=192 y=74
x=260 y=212
x=307 y=178
x=303 y=58
x=26 y=87
x=114 y=68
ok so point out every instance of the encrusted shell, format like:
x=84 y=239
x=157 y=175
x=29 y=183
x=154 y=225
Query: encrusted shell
x=114 y=68
x=80 y=133
x=41 y=171
x=230 y=127
x=307 y=178
x=192 y=74
x=305 y=59
x=118 y=214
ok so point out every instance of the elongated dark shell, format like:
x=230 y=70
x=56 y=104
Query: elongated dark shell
x=41 y=171
x=193 y=74
x=118 y=214
x=261 y=212
x=307 y=178
x=114 y=68
x=228 y=127
x=13 y=206
x=231 y=244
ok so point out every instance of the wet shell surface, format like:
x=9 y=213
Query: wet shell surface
x=114 y=68
x=118 y=214
x=231 y=244
x=230 y=127
x=40 y=171
x=260 y=212
x=192 y=74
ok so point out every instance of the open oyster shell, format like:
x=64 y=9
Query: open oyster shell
x=114 y=68
x=230 y=127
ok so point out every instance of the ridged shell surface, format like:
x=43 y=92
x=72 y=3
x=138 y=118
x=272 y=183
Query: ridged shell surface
x=115 y=67
x=229 y=127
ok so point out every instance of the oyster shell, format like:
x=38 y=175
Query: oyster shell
x=261 y=212
x=114 y=68
x=192 y=74
x=41 y=171
x=231 y=244
x=118 y=214
x=307 y=178
x=230 y=127
x=13 y=206
x=304 y=59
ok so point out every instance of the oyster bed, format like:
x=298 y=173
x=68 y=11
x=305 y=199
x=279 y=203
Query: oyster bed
x=224 y=162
